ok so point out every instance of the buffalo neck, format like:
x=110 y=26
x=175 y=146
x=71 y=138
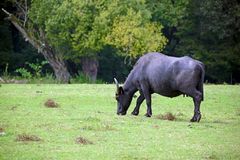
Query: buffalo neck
x=129 y=86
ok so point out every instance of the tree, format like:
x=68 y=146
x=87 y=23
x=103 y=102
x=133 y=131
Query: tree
x=36 y=36
x=71 y=30
x=205 y=30
x=81 y=29
x=210 y=32
x=170 y=14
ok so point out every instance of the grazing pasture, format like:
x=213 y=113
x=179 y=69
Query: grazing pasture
x=84 y=124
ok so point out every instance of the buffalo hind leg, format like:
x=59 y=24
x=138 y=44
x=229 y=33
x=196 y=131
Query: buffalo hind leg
x=139 y=102
x=197 y=101
x=197 y=98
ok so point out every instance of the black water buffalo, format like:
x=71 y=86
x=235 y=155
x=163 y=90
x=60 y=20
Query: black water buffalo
x=165 y=75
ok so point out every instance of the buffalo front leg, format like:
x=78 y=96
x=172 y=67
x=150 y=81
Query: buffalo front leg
x=139 y=102
x=197 y=101
x=147 y=96
x=148 y=102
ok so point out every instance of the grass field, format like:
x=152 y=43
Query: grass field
x=85 y=125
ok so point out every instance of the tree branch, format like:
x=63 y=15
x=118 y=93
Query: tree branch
x=24 y=31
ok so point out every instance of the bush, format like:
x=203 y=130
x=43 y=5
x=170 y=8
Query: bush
x=81 y=78
x=24 y=73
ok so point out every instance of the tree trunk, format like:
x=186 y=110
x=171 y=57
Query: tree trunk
x=90 y=68
x=58 y=65
x=41 y=44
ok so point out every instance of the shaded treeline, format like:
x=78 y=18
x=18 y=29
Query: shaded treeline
x=105 y=38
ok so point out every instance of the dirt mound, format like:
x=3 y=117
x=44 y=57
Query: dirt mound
x=51 y=104
x=84 y=141
x=25 y=137
x=167 y=116
x=2 y=133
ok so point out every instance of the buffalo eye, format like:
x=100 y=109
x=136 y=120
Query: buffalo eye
x=121 y=91
x=117 y=97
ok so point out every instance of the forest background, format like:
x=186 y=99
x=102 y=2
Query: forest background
x=94 y=41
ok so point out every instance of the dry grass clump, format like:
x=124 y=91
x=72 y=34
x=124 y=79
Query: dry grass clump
x=84 y=141
x=238 y=112
x=51 y=104
x=27 y=138
x=99 y=127
x=167 y=116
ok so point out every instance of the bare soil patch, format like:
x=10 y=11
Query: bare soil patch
x=167 y=116
x=2 y=133
x=156 y=126
x=27 y=138
x=84 y=141
x=51 y=104
x=13 y=108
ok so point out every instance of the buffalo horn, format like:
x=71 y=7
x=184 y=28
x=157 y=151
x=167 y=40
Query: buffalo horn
x=115 y=80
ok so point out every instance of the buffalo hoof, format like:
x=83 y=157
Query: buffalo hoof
x=135 y=113
x=196 y=118
x=148 y=115
x=193 y=120
x=122 y=113
x=199 y=117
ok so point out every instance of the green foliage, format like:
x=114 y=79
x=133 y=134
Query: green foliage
x=108 y=69
x=134 y=36
x=47 y=16
x=81 y=78
x=69 y=26
x=169 y=13
x=48 y=78
x=205 y=30
x=86 y=31
x=36 y=70
x=209 y=32
x=24 y=73
x=88 y=26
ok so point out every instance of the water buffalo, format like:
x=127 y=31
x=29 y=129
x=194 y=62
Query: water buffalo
x=165 y=75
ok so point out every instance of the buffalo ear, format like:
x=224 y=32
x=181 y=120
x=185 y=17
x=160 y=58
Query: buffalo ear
x=120 y=90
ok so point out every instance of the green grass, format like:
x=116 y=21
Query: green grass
x=89 y=111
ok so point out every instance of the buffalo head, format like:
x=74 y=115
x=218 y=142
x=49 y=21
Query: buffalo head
x=123 y=99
